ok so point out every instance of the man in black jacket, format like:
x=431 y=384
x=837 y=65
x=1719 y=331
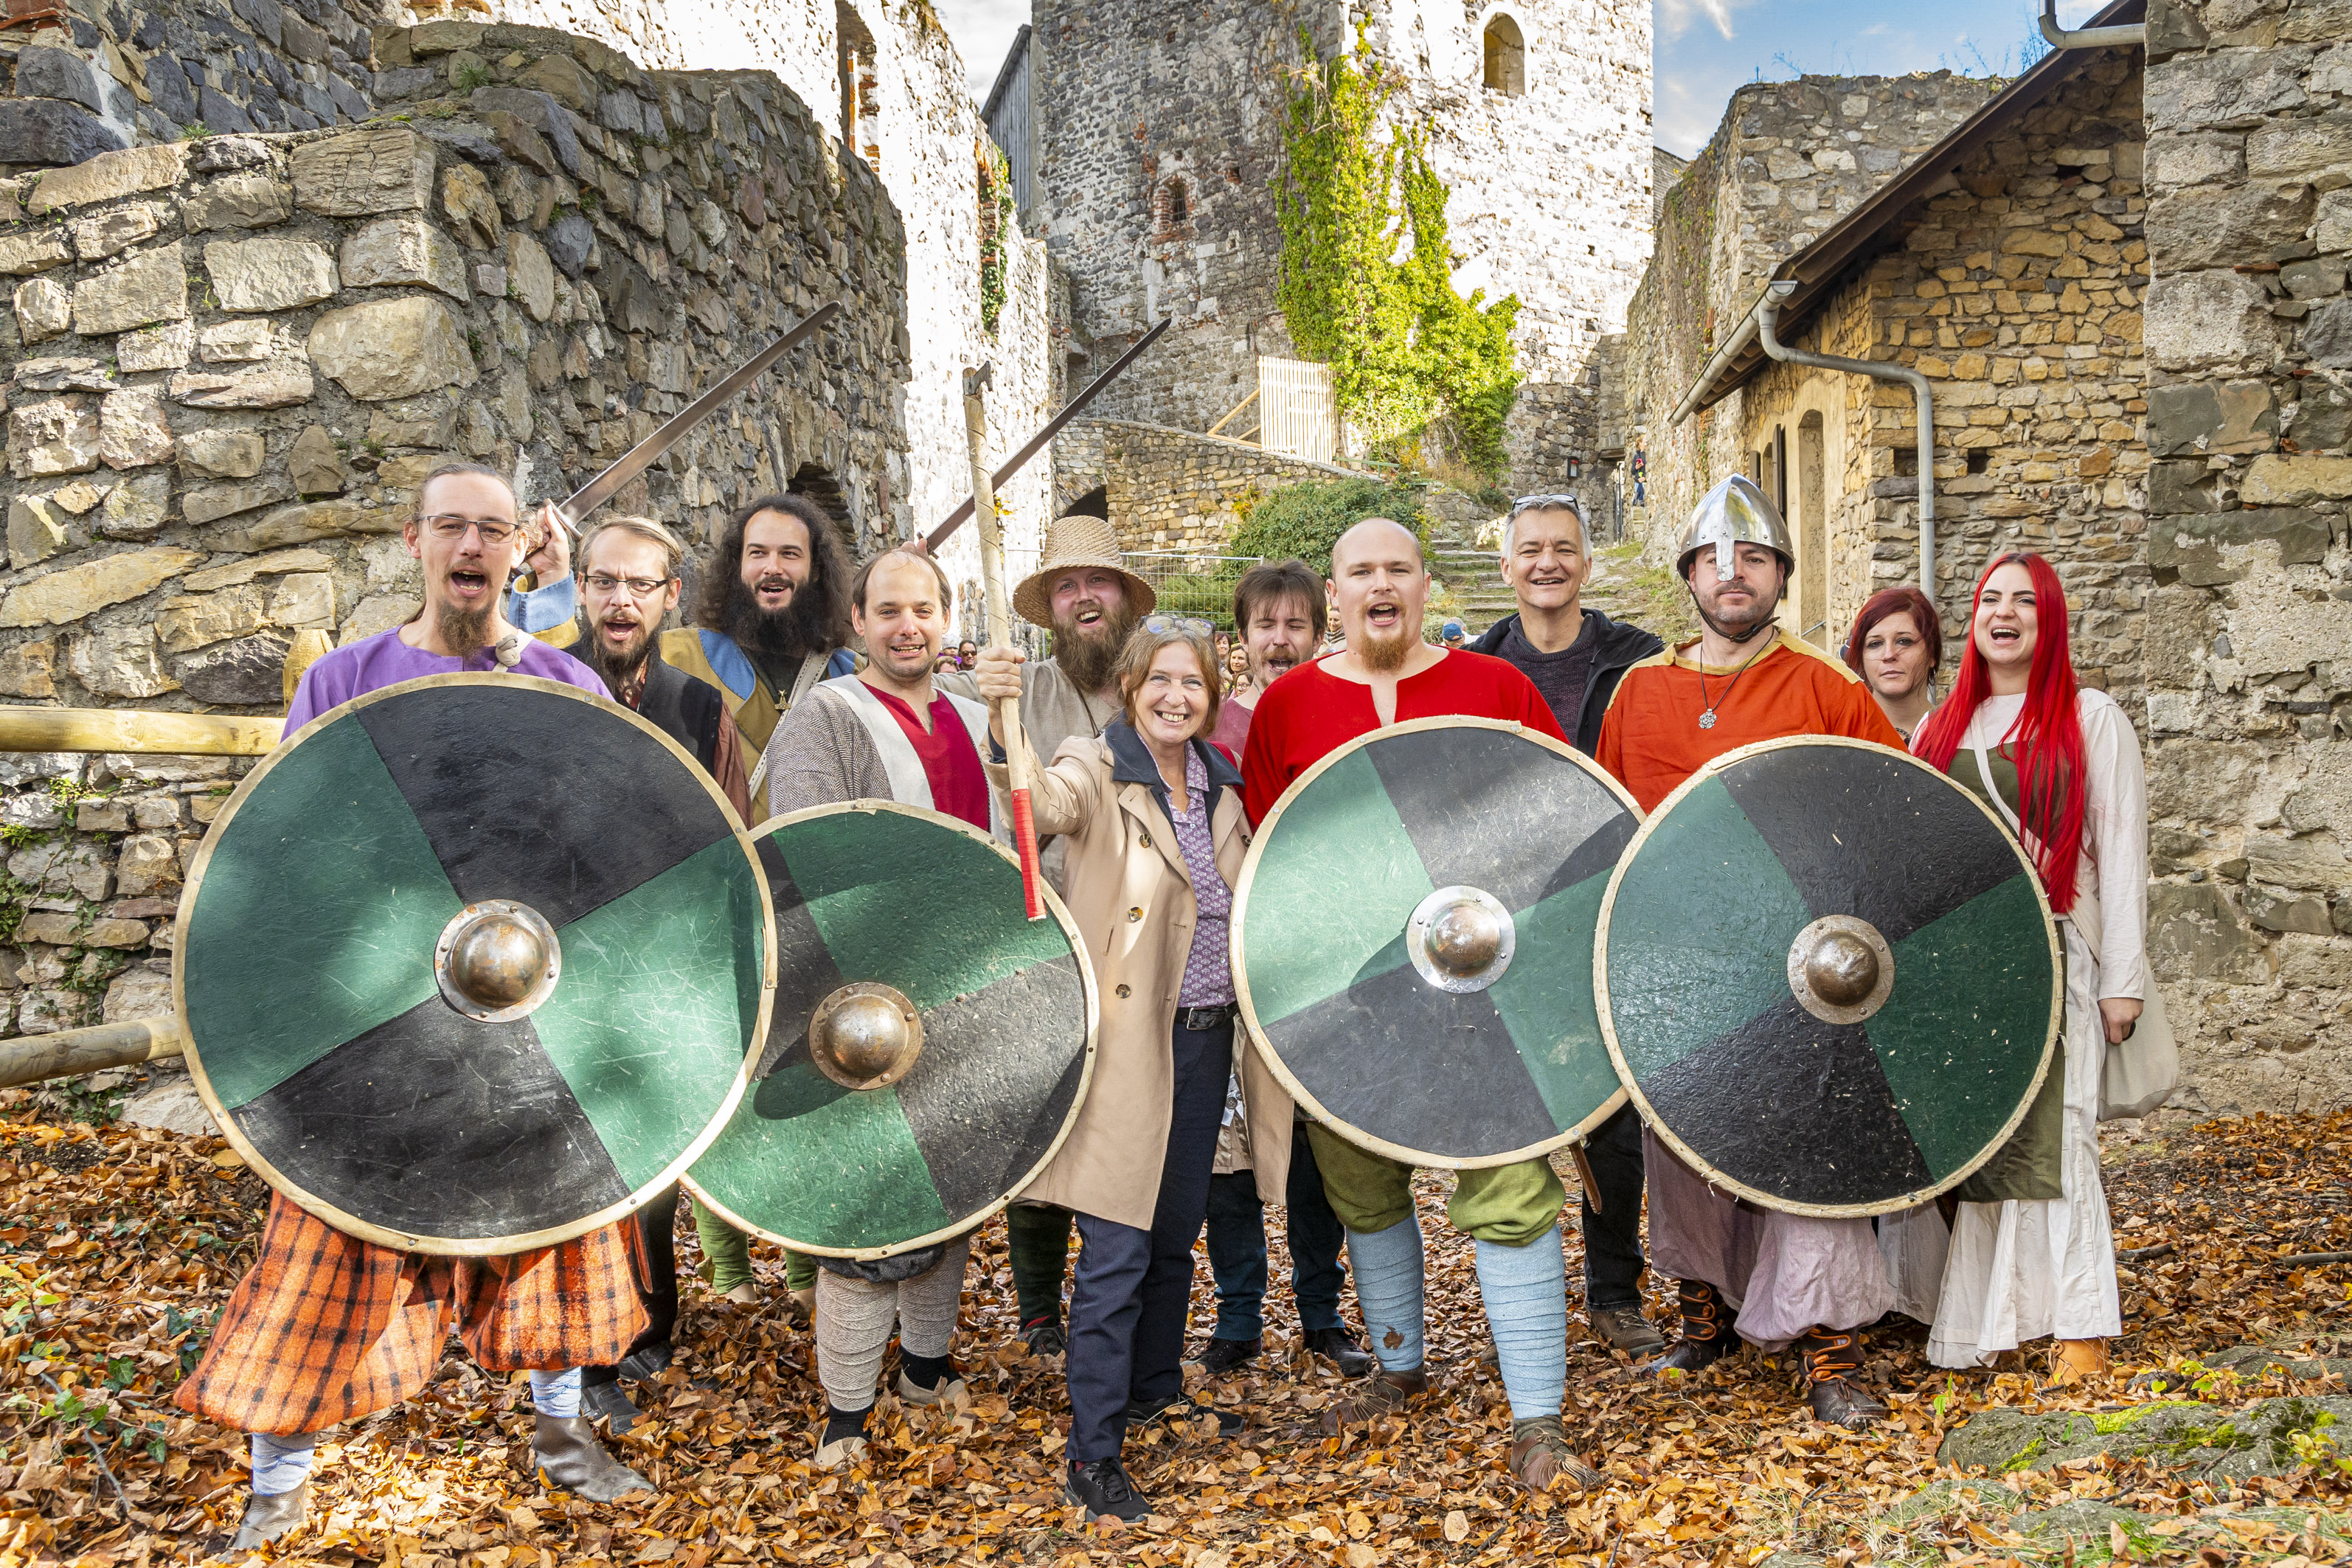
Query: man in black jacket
x=1576 y=657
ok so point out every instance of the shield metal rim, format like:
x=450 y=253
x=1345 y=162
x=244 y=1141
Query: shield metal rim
x=1314 y=1108
x=464 y=1246
x=1690 y=1156
x=750 y=838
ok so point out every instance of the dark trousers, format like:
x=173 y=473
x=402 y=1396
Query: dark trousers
x=1131 y=1289
x=1612 y=1238
x=1237 y=1247
x=657 y=1225
x=1037 y=1237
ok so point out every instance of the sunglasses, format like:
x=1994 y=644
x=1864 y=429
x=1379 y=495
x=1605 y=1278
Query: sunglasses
x=1156 y=625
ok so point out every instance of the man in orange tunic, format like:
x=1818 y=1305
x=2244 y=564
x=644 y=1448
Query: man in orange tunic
x=1790 y=1279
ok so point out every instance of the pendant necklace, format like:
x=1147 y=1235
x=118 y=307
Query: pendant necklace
x=1706 y=715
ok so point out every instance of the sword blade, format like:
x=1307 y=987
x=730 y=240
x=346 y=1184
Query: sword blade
x=575 y=509
x=1070 y=410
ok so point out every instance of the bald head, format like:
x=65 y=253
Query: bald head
x=1379 y=589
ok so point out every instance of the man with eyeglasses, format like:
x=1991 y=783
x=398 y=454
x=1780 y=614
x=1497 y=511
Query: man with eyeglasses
x=326 y=1328
x=1576 y=657
x=887 y=733
x=628 y=583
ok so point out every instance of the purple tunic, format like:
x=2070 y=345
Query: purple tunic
x=372 y=663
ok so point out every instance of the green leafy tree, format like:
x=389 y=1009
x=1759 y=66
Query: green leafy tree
x=1412 y=362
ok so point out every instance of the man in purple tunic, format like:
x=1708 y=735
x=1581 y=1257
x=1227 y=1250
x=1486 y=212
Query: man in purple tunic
x=458 y=507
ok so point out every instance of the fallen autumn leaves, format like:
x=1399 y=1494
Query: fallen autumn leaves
x=117 y=1246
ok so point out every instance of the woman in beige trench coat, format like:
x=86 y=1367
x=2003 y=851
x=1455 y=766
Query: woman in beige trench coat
x=1152 y=815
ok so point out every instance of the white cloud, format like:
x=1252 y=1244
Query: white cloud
x=982 y=31
x=1675 y=17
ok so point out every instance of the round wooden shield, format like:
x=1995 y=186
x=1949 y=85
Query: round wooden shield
x=930 y=1045
x=473 y=964
x=1829 y=976
x=1412 y=941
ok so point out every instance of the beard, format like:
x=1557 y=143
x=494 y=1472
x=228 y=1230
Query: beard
x=618 y=669
x=1384 y=654
x=793 y=631
x=1743 y=626
x=1090 y=658
x=464 y=629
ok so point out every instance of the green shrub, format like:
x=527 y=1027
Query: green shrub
x=1306 y=518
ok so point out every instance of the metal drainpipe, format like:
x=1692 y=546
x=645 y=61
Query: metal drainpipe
x=2088 y=37
x=1768 y=309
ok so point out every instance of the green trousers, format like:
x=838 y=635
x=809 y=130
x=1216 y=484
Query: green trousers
x=1509 y=1205
x=727 y=1254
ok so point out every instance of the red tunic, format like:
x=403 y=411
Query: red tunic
x=1309 y=713
x=950 y=762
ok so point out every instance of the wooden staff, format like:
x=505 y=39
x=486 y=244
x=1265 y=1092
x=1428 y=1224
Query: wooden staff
x=1000 y=632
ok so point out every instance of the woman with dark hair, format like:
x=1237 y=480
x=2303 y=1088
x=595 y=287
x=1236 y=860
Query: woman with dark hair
x=1895 y=646
x=2031 y=1251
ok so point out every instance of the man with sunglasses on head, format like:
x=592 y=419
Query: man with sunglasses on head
x=1576 y=655
x=326 y=1328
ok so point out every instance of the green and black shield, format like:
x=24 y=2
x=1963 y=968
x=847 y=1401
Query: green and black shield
x=1828 y=976
x=1412 y=941
x=929 y=1044
x=474 y=963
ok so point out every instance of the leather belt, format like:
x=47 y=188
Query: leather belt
x=1201 y=1020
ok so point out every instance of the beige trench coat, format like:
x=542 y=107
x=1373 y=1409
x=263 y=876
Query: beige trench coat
x=1127 y=889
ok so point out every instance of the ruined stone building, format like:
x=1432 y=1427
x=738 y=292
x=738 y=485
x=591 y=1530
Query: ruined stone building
x=1150 y=136
x=2123 y=277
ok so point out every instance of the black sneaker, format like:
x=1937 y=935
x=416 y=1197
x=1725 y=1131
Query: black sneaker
x=1353 y=1360
x=1102 y=1488
x=645 y=1365
x=1222 y=1355
x=1186 y=1419
x=1045 y=1337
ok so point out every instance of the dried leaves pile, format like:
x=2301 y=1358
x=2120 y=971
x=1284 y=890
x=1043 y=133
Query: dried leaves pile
x=117 y=1246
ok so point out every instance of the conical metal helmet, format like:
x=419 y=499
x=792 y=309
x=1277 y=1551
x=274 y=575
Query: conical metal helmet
x=1734 y=512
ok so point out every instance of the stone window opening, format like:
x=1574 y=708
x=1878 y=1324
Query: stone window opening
x=1172 y=204
x=1979 y=459
x=860 y=130
x=1505 y=50
x=1812 y=533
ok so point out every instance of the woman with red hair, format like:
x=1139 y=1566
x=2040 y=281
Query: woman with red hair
x=2032 y=1253
x=1895 y=646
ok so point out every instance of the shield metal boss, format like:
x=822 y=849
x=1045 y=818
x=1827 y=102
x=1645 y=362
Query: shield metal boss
x=1412 y=941
x=1829 y=976
x=929 y=1045
x=474 y=963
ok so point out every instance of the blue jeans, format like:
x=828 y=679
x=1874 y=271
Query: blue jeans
x=1129 y=1291
x=1237 y=1247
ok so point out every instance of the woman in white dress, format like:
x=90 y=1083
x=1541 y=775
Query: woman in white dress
x=2032 y=1253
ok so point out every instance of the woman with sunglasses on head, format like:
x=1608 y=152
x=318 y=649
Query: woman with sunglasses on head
x=2031 y=1251
x=1895 y=646
x=1152 y=817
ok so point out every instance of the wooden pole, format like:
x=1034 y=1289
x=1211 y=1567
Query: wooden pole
x=1000 y=632
x=69 y=1053
x=129 y=729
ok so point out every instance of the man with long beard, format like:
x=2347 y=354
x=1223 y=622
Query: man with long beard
x=1790 y=1279
x=1389 y=673
x=1091 y=604
x=628 y=583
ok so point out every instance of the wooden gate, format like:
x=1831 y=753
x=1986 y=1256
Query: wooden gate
x=1297 y=414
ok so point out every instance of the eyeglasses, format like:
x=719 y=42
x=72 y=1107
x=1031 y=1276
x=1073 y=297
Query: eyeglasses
x=494 y=531
x=639 y=588
x=1156 y=625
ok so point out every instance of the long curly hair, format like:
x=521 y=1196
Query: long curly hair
x=2046 y=742
x=817 y=620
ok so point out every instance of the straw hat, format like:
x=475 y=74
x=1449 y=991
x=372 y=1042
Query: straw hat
x=1077 y=538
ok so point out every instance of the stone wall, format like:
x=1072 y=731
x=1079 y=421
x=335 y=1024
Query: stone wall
x=2249 y=628
x=231 y=359
x=1176 y=491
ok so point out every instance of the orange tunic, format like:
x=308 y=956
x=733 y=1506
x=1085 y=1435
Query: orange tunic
x=1651 y=740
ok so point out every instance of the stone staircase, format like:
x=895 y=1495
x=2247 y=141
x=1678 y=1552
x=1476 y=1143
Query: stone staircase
x=1463 y=557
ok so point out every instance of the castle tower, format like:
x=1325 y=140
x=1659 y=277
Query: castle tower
x=1154 y=129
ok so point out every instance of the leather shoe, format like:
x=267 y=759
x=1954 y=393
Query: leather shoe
x=1624 y=1329
x=1222 y=1355
x=1385 y=1393
x=1540 y=1456
x=1102 y=1488
x=571 y=1459
x=268 y=1518
x=1705 y=1338
x=1340 y=1347
x=605 y=1399
x=946 y=1389
x=1830 y=1360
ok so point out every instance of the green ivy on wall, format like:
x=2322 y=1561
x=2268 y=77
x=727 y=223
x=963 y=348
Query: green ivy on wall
x=1414 y=365
x=996 y=228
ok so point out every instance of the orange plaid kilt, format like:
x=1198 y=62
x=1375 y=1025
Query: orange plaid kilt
x=327 y=1327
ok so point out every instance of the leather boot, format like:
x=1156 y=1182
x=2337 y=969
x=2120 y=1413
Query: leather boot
x=605 y=1399
x=1542 y=1458
x=268 y=1518
x=1707 y=1336
x=1385 y=1393
x=1830 y=1359
x=571 y=1459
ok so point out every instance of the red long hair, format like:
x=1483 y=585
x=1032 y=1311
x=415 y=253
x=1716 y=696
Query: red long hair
x=2047 y=739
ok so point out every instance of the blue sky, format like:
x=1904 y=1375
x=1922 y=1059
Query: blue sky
x=1706 y=48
